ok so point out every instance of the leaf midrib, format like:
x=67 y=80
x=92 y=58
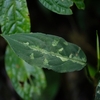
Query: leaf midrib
x=52 y=53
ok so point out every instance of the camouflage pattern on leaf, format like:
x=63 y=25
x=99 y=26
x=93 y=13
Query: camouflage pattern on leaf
x=47 y=51
x=27 y=80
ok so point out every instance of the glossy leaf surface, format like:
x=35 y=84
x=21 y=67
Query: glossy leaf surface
x=47 y=51
x=14 y=16
x=58 y=6
x=27 y=80
x=62 y=6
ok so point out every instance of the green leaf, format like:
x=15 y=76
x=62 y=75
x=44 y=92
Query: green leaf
x=47 y=51
x=1 y=2
x=58 y=6
x=14 y=16
x=79 y=3
x=92 y=71
x=97 y=95
x=27 y=80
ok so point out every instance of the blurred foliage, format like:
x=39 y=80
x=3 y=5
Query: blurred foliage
x=53 y=85
x=27 y=80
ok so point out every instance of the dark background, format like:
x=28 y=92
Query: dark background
x=79 y=28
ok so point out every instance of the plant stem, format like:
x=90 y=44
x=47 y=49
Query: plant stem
x=98 y=55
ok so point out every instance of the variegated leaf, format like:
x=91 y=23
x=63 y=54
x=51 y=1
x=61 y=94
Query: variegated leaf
x=47 y=51
x=27 y=80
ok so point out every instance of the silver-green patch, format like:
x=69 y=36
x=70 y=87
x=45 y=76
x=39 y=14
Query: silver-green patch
x=32 y=56
x=66 y=43
x=98 y=91
x=61 y=49
x=79 y=49
x=45 y=61
x=55 y=42
x=63 y=58
x=99 y=84
x=26 y=44
x=83 y=59
x=70 y=56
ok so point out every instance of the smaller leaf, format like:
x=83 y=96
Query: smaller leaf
x=58 y=6
x=97 y=95
x=28 y=81
x=79 y=3
x=92 y=71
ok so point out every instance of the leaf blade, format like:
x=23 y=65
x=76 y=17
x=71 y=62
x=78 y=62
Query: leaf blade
x=28 y=81
x=80 y=4
x=58 y=6
x=14 y=17
x=47 y=51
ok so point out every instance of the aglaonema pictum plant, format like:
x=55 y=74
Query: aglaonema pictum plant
x=27 y=53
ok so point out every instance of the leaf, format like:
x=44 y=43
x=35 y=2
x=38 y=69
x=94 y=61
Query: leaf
x=14 y=16
x=92 y=75
x=92 y=71
x=58 y=6
x=28 y=81
x=47 y=51
x=1 y=2
x=79 y=3
x=97 y=95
